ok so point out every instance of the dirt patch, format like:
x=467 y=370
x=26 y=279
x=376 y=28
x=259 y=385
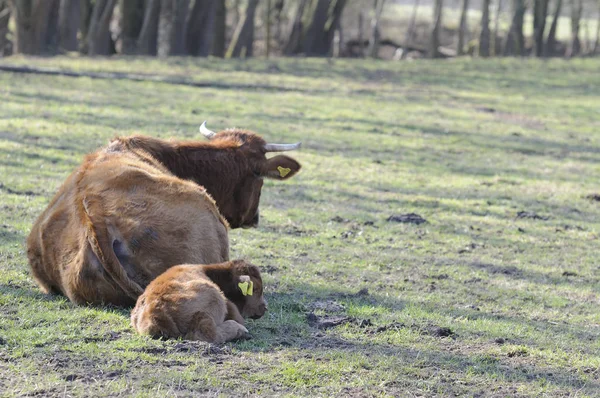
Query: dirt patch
x=17 y=192
x=594 y=196
x=429 y=330
x=531 y=215
x=410 y=218
x=520 y=120
x=339 y=219
x=110 y=336
x=326 y=306
x=497 y=269
x=327 y=321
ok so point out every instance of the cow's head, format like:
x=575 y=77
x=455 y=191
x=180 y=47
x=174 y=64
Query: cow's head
x=249 y=290
x=242 y=183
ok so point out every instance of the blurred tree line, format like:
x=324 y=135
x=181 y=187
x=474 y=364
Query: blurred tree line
x=238 y=28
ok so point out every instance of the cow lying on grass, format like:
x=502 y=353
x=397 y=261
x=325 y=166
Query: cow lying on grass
x=201 y=302
x=142 y=205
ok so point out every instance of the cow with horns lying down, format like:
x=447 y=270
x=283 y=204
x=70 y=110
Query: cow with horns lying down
x=142 y=205
x=201 y=302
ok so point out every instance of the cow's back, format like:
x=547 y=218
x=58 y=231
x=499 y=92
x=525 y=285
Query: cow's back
x=120 y=207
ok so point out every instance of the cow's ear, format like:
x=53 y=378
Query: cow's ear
x=281 y=167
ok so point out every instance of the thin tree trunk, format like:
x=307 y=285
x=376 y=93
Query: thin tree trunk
x=243 y=37
x=4 y=18
x=597 y=42
x=278 y=7
x=148 y=39
x=434 y=41
x=220 y=29
x=84 y=26
x=132 y=19
x=99 y=41
x=333 y=22
x=515 y=40
x=340 y=41
x=575 y=45
x=69 y=20
x=292 y=45
x=375 y=34
x=361 y=33
x=462 y=29
x=551 y=41
x=166 y=27
x=540 y=12
x=484 y=36
x=495 y=44
x=268 y=28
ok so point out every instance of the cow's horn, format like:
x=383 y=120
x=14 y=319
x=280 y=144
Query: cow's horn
x=206 y=132
x=281 y=147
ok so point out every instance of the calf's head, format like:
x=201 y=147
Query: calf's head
x=242 y=284
x=237 y=192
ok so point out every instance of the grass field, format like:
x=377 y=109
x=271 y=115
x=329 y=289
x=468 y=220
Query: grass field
x=497 y=294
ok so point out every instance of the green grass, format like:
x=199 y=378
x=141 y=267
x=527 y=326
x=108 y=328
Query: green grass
x=467 y=144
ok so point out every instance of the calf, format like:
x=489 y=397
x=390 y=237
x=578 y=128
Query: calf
x=201 y=302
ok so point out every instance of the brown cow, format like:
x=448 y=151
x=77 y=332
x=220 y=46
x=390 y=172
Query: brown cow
x=135 y=209
x=201 y=302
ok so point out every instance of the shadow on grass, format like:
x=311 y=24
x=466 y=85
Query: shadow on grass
x=512 y=366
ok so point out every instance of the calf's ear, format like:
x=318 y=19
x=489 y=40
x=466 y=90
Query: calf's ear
x=281 y=167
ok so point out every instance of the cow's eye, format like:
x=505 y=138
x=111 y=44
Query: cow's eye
x=256 y=173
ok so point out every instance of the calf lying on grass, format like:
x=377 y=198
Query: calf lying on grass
x=201 y=302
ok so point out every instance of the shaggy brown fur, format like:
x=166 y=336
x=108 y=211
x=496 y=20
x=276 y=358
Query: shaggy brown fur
x=231 y=167
x=200 y=302
x=135 y=208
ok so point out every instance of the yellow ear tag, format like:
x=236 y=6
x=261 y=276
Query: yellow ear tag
x=246 y=288
x=283 y=171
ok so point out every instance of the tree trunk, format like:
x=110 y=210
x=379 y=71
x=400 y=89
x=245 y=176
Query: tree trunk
x=462 y=29
x=495 y=45
x=99 y=41
x=172 y=27
x=540 y=12
x=375 y=34
x=132 y=18
x=148 y=39
x=515 y=41
x=220 y=30
x=484 y=36
x=551 y=41
x=314 y=39
x=434 y=41
x=575 y=44
x=69 y=20
x=201 y=23
x=49 y=38
x=292 y=45
x=178 y=35
x=33 y=23
x=243 y=37
x=4 y=18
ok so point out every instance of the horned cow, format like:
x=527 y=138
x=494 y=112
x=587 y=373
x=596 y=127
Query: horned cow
x=201 y=302
x=142 y=205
